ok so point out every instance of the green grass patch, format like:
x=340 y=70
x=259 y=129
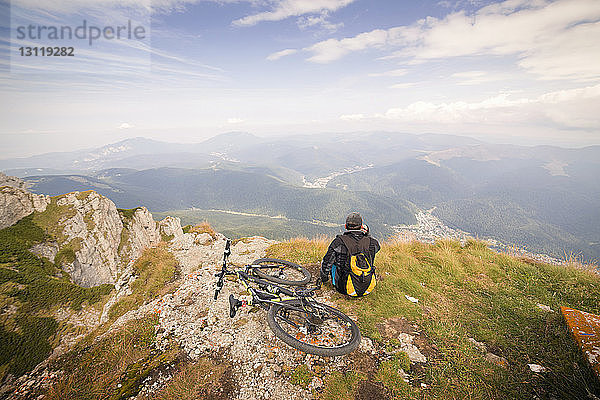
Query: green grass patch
x=66 y=254
x=301 y=376
x=340 y=386
x=472 y=291
x=127 y=214
x=166 y=238
x=49 y=220
x=391 y=374
x=21 y=351
x=31 y=286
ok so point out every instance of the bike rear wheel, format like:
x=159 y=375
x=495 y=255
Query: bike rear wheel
x=314 y=328
x=281 y=271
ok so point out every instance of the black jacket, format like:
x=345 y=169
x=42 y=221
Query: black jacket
x=337 y=253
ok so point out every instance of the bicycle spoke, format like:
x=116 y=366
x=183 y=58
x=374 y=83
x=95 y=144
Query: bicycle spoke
x=327 y=332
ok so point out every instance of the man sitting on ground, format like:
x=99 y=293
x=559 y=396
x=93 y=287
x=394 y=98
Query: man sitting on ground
x=348 y=263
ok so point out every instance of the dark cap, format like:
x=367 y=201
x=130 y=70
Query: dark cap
x=353 y=221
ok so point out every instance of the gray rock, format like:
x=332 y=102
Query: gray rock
x=94 y=230
x=171 y=226
x=413 y=352
x=316 y=383
x=48 y=250
x=480 y=346
x=536 y=368
x=143 y=232
x=96 y=227
x=183 y=242
x=17 y=202
x=12 y=181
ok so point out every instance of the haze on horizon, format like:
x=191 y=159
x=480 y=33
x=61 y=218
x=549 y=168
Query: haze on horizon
x=515 y=71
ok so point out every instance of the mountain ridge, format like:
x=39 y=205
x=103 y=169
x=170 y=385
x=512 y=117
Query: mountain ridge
x=556 y=189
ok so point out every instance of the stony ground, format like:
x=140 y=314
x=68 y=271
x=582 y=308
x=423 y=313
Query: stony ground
x=202 y=326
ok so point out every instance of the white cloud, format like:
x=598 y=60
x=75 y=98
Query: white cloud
x=395 y=72
x=469 y=74
x=333 y=49
x=125 y=125
x=234 y=121
x=309 y=21
x=73 y=6
x=403 y=85
x=311 y=13
x=573 y=109
x=280 y=54
x=551 y=39
x=293 y=8
x=475 y=77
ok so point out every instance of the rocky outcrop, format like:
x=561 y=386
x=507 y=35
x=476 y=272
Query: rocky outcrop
x=12 y=181
x=16 y=202
x=171 y=227
x=103 y=240
x=93 y=240
x=142 y=232
x=90 y=238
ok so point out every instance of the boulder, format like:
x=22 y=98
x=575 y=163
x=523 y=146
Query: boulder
x=171 y=227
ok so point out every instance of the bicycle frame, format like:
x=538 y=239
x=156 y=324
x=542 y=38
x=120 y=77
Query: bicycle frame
x=267 y=292
x=294 y=315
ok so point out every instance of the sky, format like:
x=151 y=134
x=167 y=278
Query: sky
x=515 y=71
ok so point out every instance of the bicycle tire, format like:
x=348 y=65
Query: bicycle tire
x=325 y=351
x=281 y=265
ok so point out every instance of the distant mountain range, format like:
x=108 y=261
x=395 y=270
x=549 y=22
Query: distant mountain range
x=544 y=198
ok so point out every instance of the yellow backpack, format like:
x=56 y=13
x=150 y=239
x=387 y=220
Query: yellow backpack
x=358 y=278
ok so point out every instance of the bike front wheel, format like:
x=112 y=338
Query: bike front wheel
x=281 y=271
x=314 y=328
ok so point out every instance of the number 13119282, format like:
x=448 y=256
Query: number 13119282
x=47 y=51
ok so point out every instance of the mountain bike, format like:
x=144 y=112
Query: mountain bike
x=292 y=313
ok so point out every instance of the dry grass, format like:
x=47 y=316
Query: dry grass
x=203 y=227
x=301 y=250
x=577 y=261
x=204 y=379
x=94 y=372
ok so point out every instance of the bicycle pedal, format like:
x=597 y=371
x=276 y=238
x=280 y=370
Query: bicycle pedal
x=234 y=304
